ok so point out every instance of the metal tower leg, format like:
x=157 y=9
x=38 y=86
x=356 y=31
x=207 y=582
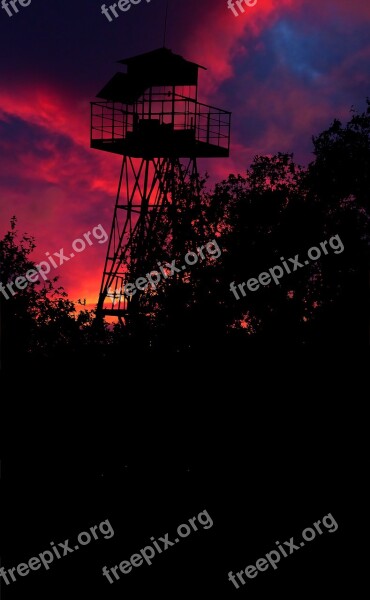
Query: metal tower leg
x=151 y=190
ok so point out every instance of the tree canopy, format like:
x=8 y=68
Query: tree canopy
x=274 y=212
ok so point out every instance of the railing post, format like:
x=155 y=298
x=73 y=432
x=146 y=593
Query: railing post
x=196 y=119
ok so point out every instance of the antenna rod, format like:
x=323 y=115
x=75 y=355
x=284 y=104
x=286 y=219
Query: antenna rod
x=165 y=26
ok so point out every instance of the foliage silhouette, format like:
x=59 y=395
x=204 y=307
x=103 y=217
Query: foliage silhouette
x=277 y=209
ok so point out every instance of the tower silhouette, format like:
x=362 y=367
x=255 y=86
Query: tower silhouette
x=151 y=116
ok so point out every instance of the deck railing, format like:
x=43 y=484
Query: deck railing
x=113 y=121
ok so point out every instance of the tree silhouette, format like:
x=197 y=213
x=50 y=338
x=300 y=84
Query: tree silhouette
x=39 y=320
x=276 y=211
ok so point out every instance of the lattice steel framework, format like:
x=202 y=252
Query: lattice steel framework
x=148 y=119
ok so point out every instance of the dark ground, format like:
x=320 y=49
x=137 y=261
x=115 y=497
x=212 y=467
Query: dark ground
x=266 y=452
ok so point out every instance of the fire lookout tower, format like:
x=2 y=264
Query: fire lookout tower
x=151 y=116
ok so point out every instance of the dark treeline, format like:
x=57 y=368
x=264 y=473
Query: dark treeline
x=278 y=209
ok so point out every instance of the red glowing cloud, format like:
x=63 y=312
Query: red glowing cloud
x=57 y=187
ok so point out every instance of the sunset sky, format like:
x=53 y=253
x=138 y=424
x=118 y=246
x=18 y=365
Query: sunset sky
x=284 y=68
